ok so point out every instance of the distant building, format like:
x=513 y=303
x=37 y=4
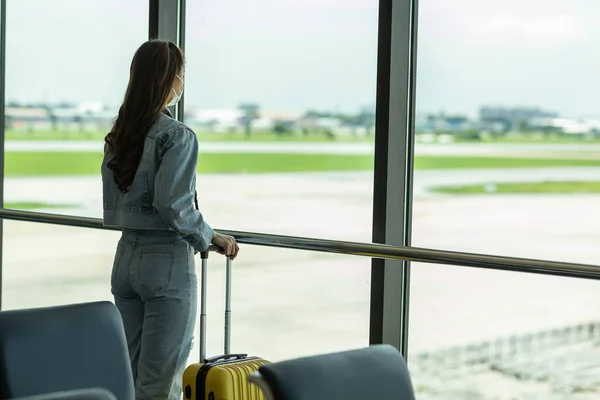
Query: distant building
x=98 y=120
x=440 y=123
x=280 y=122
x=27 y=118
x=64 y=117
x=569 y=126
x=214 y=120
x=511 y=119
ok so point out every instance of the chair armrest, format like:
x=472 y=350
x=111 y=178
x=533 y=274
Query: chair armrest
x=257 y=379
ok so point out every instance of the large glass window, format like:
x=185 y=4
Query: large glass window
x=283 y=104
x=285 y=121
x=46 y=265
x=506 y=163
x=67 y=67
x=281 y=95
x=507 y=128
x=481 y=334
x=284 y=303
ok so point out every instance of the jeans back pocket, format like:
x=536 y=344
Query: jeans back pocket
x=156 y=267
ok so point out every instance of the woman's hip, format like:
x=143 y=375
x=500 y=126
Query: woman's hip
x=163 y=265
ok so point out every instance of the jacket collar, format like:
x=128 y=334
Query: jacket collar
x=168 y=112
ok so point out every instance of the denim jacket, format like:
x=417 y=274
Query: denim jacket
x=162 y=194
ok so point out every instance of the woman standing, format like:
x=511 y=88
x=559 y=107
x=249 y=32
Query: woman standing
x=149 y=186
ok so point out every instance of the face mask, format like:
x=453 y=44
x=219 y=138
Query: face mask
x=176 y=96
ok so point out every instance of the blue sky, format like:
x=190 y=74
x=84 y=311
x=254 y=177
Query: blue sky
x=289 y=55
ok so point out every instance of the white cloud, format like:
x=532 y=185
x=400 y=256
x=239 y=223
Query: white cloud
x=562 y=26
x=333 y=5
x=559 y=26
x=501 y=21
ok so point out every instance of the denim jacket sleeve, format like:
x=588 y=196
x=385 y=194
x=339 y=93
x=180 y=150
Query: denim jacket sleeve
x=175 y=186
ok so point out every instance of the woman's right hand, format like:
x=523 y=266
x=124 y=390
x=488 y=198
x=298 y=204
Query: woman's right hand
x=227 y=245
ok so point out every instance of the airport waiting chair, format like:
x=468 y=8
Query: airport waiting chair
x=79 y=394
x=64 y=348
x=376 y=372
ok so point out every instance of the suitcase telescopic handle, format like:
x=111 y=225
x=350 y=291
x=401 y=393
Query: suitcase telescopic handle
x=212 y=247
x=203 y=286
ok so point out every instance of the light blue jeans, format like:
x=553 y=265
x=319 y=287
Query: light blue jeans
x=155 y=287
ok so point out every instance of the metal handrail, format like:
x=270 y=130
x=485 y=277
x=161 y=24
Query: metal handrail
x=371 y=250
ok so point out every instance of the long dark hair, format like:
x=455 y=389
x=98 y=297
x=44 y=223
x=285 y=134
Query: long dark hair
x=153 y=70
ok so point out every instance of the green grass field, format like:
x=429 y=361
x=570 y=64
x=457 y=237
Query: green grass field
x=24 y=205
x=558 y=187
x=71 y=163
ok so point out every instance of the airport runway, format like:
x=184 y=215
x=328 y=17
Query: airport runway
x=288 y=303
x=85 y=191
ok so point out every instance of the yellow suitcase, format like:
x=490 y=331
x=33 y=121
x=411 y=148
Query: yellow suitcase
x=223 y=377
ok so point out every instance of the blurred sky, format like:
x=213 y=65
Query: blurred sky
x=290 y=55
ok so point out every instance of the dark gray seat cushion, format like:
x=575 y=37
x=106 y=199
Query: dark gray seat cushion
x=62 y=348
x=377 y=372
